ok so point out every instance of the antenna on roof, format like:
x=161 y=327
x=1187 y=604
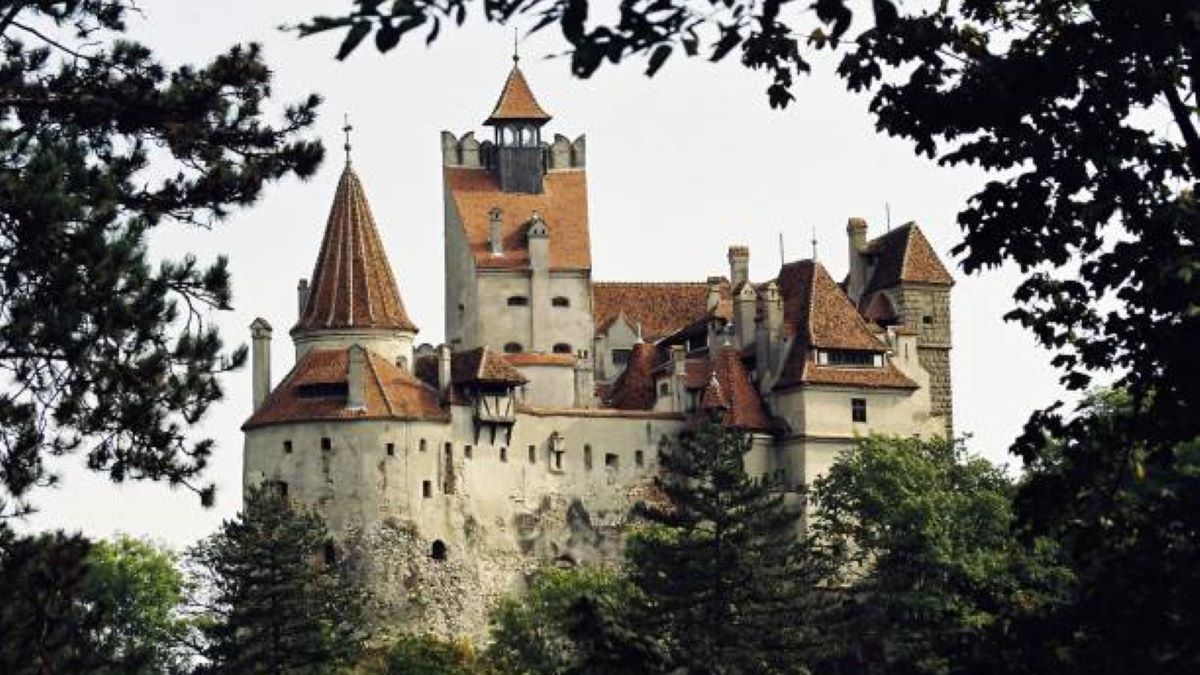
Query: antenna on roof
x=347 y=129
x=516 y=54
x=887 y=210
x=782 y=259
x=814 y=243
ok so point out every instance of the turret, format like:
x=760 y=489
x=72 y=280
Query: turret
x=517 y=120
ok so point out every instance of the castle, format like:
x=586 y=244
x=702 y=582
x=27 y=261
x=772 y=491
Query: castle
x=447 y=473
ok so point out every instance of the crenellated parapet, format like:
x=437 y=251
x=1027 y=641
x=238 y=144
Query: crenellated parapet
x=469 y=152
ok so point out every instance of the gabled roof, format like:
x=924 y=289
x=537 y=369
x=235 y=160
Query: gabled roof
x=634 y=387
x=562 y=204
x=482 y=365
x=516 y=101
x=802 y=369
x=390 y=392
x=905 y=255
x=730 y=390
x=878 y=307
x=817 y=313
x=352 y=282
x=661 y=308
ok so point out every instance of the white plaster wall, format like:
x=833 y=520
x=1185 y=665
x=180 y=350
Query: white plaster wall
x=462 y=328
x=550 y=386
x=620 y=335
x=390 y=344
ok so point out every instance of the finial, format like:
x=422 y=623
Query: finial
x=347 y=129
x=516 y=54
x=814 y=243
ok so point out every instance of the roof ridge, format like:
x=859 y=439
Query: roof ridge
x=387 y=401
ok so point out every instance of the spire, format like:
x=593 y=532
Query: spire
x=352 y=282
x=346 y=129
x=516 y=102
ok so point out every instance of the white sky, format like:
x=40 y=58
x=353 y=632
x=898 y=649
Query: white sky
x=680 y=167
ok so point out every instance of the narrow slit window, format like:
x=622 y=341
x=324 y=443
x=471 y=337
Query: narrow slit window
x=427 y=489
x=858 y=409
x=326 y=443
x=587 y=457
x=391 y=449
x=503 y=454
x=639 y=458
x=287 y=447
x=533 y=454
x=468 y=451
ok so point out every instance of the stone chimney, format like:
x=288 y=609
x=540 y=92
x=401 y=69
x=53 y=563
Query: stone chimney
x=856 y=281
x=494 y=236
x=739 y=265
x=745 y=301
x=302 y=290
x=443 y=357
x=773 y=309
x=713 y=299
x=585 y=387
x=679 y=375
x=539 y=243
x=356 y=379
x=260 y=361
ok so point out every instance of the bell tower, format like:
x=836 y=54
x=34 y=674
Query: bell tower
x=519 y=161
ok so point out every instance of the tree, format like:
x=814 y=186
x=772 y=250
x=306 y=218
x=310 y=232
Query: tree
x=138 y=589
x=1127 y=517
x=531 y=633
x=46 y=627
x=423 y=655
x=718 y=564
x=273 y=606
x=102 y=351
x=931 y=568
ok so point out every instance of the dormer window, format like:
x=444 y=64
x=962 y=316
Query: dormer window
x=844 y=358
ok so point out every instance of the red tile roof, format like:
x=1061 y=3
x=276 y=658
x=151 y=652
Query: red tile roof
x=816 y=311
x=539 y=359
x=562 y=205
x=391 y=392
x=905 y=255
x=801 y=369
x=878 y=307
x=482 y=365
x=660 y=308
x=729 y=389
x=634 y=387
x=352 y=282
x=516 y=101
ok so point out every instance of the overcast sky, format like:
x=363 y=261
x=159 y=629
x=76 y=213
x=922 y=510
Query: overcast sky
x=679 y=167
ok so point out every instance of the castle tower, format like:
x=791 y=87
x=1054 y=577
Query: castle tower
x=517 y=120
x=353 y=298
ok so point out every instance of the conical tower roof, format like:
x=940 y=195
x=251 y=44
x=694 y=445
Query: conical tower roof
x=517 y=101
x=352 y=282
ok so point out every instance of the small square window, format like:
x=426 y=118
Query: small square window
x=639 y=458
x=858 y=409
x=533 y=454
x=391 y=449
x=611 y=461
x=427 y=489
x=287 y=447
x=468 y=451
x=927 y=320
x=421 y=446
x=326 y=443
x=503 y=454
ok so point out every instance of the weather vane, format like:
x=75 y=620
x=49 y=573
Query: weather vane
x=347 y=129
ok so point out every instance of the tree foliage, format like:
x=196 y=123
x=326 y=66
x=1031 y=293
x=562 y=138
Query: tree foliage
x=532 y=632
x=722 y=577
x=103 y=351
x=932 y=576
x=274 y=604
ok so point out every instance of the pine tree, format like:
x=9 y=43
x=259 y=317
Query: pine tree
x=104 y=350
x=719 y=564
x=278 y=604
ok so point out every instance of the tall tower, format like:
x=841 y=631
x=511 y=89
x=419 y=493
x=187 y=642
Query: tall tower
x=517 y=120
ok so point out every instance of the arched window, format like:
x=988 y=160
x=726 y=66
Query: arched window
x=438 y=550
x=513 y=348
x=528 y=137
x=562 y=348
x=561 y=301
x=508 y=136
x=517 y=301
x=330 y=554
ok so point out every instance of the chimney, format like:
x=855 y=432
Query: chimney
x=585 y=388
x=494 y=232
x=260 y=361
x=745 y=301
x=679 y=373
x=539 y=243
x=356 y=395
x=773 y=310
x=856 y=281
x=302 y=290
x=739 y=265
x=713 y=300
x=443 y=356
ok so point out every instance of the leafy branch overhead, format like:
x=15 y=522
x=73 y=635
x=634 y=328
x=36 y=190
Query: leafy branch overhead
x=104 y=351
